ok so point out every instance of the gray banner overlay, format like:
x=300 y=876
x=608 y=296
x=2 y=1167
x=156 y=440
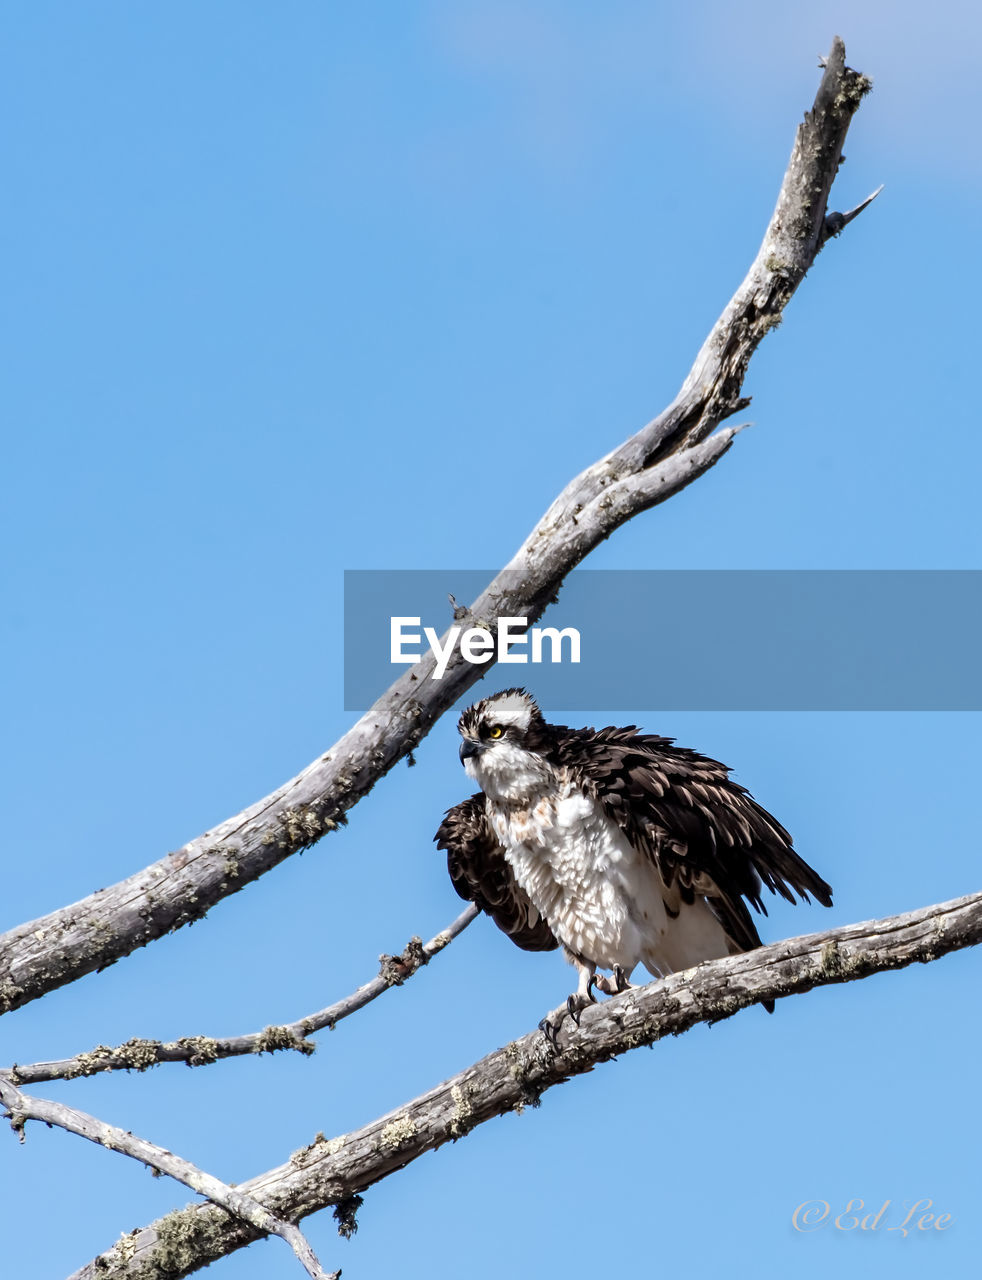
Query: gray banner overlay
x=699 y=640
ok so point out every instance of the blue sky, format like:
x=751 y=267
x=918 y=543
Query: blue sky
x=291 y=290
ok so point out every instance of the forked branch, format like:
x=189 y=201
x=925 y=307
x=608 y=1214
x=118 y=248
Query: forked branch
x=20 y=1108
x=199 y=1051
x=669 y=453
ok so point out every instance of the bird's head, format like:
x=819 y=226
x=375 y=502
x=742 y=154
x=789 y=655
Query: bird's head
x=502 y=742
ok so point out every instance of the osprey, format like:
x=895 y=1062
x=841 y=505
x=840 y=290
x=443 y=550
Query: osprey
x=615 y=845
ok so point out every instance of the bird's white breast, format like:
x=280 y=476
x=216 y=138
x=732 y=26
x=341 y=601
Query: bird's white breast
x=600 y=897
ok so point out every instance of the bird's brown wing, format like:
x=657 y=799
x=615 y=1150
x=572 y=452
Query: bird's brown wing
x=481 y=874
x=706 y=834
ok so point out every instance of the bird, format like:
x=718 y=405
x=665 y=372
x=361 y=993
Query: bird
x=617 y=846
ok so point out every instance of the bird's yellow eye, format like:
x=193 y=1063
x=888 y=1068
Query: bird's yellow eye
x=495 y=731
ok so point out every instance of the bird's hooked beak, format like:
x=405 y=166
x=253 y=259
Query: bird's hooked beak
x=470 y=747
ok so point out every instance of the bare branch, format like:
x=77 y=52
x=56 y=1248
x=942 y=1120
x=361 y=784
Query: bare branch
x=21 y=1107
x=516 y=1076
x=199 y=1051
x=665 y=456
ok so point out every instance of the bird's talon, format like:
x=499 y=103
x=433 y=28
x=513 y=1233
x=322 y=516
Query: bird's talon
x=573 y=1009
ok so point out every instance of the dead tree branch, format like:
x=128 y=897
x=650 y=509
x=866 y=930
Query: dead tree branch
x=669 y=453
x=198 y=1051
x=20 y=1108
x=516 y=1076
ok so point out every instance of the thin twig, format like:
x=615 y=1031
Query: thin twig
x=139 y=1055
x=516 y=1076
x=21 y=1107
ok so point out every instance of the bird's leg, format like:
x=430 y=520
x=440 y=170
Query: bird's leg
x=618 y=981
x=583 y=995
x=550 y=1029
x=576 y=1003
